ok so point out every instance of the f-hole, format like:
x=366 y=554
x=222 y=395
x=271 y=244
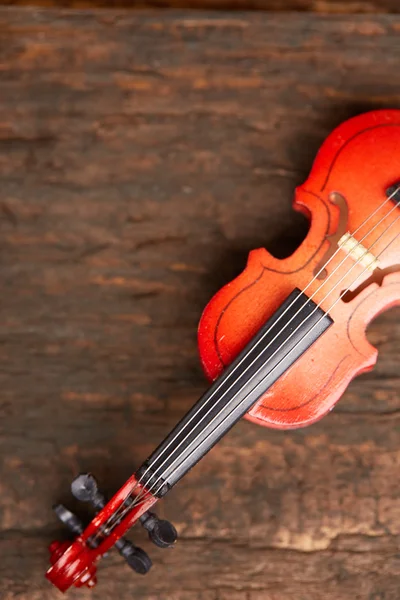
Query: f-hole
x=340 y=201
x=377 y=276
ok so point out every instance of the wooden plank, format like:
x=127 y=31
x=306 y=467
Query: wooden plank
x=142 y=157
x=319 y=6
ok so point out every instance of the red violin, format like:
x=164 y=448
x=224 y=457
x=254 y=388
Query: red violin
x=281 y=342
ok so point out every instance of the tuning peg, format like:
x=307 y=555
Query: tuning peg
x=136 y=558
x=162 y=533
x=70 y=520
x=85 y=488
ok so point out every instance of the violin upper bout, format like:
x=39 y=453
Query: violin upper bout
x=237 y=311
x=227 y=322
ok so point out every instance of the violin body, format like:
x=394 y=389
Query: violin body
x=266 y=363
x=360 y=160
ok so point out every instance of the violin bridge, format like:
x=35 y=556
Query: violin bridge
x=358 y=252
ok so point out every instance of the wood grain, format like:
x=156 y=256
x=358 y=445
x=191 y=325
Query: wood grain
x=319 y=6
x=142 y=157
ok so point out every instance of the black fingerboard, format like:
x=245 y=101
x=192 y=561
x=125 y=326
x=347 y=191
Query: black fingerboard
x=275 y=348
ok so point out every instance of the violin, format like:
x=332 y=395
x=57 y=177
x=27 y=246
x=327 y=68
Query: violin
x=279 y=344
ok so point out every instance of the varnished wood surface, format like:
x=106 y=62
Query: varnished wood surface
x=321 y=6
x=142 y=158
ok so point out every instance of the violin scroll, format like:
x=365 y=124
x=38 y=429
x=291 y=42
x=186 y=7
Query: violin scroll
x=76 y=563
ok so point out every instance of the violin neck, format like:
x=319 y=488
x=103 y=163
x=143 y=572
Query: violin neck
x=262 y=362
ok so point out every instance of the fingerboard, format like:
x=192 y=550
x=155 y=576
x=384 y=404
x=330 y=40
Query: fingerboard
x=283 y=339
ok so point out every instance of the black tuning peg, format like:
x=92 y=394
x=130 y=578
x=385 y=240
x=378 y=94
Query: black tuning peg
x=136 y=558
x=71 y=521
x=85 y=488
x=162 y=533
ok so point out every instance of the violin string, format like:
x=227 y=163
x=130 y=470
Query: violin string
x=380 y=207
x=313 y=327
x=117 y=514
x=271 y=341
x=270 y=358
x=376 y=241
x=274 y=339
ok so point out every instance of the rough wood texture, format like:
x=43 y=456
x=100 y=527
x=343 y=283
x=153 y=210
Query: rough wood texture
x=142 y=157
x=323 y=6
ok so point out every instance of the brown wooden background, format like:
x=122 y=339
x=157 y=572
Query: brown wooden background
x=323 y=6
x=142 y=156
